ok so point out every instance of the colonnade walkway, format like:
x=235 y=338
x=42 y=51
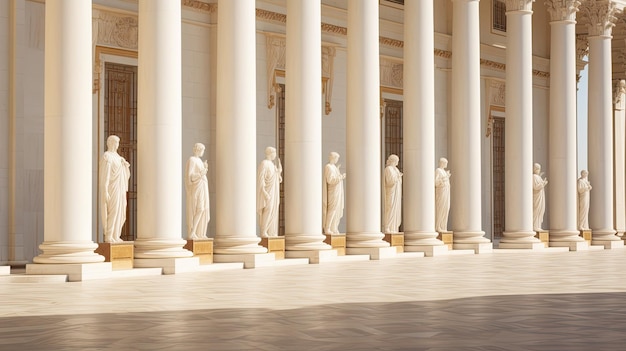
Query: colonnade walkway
x=501 y=301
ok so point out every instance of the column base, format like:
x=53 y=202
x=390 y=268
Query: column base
x=609 y=244
x=543 y=236
x=525 y=246
x=121 y=255
x=74 y=272
x=428 y=250
x=395 y=240
x=479 y=248
x=157 y=248
x=586 y=235
x=275 y=245
x=520 y=240
x=415 y=238
x=604 y=235
x=447 y=237
x=375 y=253
x=306 y=242
x=572 y=245
x=202 y=249
x=337 y=242
x=231 y=245
x=170 y=265
x=365 y=240
x=66 y=252
x=249 y=260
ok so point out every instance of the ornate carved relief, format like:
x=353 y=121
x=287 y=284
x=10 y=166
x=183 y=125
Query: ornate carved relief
x=116 y=30
x=443 y=53
x=582 y=46
x=601 y=16
x=200 y=6
x=333 y=29
x=497 y=97
x=391 y=42
x=497 y=66
x=391 y=73
x=562 y=10
x=271 y=16
x=618 y=95
x=328 y=59
x=519 y=5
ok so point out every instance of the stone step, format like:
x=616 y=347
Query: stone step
x=33 y=278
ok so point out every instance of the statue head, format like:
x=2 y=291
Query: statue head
x=113 y=142
x=536 y=168
x=334 y=157
x=270 y=153
x=443 y=162
x=584 y=173
x=393 y=160
x=198 y=149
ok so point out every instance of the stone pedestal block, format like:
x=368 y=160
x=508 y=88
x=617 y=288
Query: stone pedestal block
x=447 y=238
x=543 y=236
x=337 y=242
x=275 y=245
x=395 y=240
x=586 y=234
x=202 y=249
x=121 y=255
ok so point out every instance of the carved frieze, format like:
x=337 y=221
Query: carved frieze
x=519 y=5
x=600 y=15
x=117 y=30
x=391 y=42
x=333 y=29
x=582 y=46
x=391 y=73
x=271 y=16
x=200 y=6
x=562 y=10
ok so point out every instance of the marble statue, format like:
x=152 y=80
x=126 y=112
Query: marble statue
x=332 y=195
x=442 y=196
x=114 y=175
x=539 y=197
x=197 y=190
x=269 y=177
x=393 y=195
x=584 y=187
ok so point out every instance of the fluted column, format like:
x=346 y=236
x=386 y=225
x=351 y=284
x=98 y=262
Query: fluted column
x=465 y=127
x=68 y=135
x=419 y=127
x=159 y=132
x=363 y=207
x=518 y=190
x=236 y=129
x=303 y=127
x=600 y=126
x=562 y=145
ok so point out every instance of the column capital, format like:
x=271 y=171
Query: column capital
x=519 y=5
x=618 y=94
x=601 y=16
x=562 y=10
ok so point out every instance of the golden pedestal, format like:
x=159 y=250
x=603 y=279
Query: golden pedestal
x=203 y=249
x=447 y=238
x=337 y=242
x=586 y=234
x=395 y=240
x=544 y=237
x=121 y=255
x=275 y=245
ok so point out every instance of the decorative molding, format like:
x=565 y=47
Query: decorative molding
x=333 y=29
x=271 y=16
x=519 y=5
x=391 y=73
x=443 y=53
x=391 y=42
x=582 y=46
x=200 y=6
x=497 y=66
x=97 y=66
x=328 y=74
x=562 y=10
x=496 y=91
x=601 y=16
x=618 y=95
x=112 y=29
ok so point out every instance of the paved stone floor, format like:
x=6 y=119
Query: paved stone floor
x=499 y=301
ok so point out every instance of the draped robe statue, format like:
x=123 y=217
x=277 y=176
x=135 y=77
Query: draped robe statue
x=114 y=174
x=539 y=197
x=269 y=177
x=393 y=195
x=442 y=196
x=197 y=190
x=584 y=187
x=332 y=195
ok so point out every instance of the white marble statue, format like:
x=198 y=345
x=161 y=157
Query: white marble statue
x=442 y=196
x=197 y=189
x=393 y=195
x=114 y=174
x=539 y=197
x=584 y=187
x=269 y=177
x=332 y=195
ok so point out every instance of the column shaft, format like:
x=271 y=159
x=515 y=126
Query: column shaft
x=518 y=128
x=159 y=132
x=236 y=129
x=68 y=135
x=303 y=127
x=363 y=206
x=466 y=135
x=419 y=125
x=562 y=202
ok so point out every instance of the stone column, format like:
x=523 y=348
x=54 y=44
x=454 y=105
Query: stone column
x=518 y=190
x=236 y=129
x=363 y=208
x=68 y=146
x=303 y=128
x=600 y=126
x=562 y=145
x=466 y=199
x=419 y=130
x=619 y=97
x=159 y=136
